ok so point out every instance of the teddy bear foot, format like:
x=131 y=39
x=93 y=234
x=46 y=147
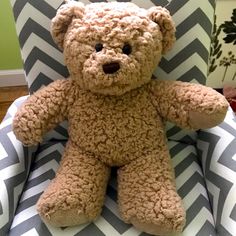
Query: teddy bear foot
x=148 y=198
x=161 y=228
x=66 y=218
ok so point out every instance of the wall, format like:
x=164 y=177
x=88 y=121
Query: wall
x=9 y=48
x=222 y=65
x=11 y=72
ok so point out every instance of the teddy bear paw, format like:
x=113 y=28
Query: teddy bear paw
x=160 y=225
x=157 y=216
x=64 y=218
x=57 y=211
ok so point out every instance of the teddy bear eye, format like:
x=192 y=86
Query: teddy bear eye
x=127 y=49
x=98 y=47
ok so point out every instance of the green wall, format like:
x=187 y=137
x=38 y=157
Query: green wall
x=10 y=58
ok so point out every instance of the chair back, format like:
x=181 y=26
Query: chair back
x=187 y=61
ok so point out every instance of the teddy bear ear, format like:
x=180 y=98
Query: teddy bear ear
x=162 y=17
x=65 y=14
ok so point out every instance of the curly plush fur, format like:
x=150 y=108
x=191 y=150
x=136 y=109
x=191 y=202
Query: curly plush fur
x=115 y=116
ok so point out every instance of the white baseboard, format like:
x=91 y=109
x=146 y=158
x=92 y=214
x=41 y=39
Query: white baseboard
x=12 y=78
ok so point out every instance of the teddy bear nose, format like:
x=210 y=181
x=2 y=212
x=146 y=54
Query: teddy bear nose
x=111 y=68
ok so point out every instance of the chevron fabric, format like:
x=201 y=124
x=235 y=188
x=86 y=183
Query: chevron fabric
x=217 y=148
x=15 y=162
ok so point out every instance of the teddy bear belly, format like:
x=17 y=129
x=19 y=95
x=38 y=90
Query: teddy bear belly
x=116 y=130
x=118 y=144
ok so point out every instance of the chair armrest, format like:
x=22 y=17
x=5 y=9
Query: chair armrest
x=217 y=151
x=15 y=162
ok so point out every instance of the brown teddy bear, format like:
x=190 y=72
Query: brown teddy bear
x=116 y=115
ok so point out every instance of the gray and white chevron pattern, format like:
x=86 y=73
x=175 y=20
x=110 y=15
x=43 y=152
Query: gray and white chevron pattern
x=43 y=62
x=15 y=161
x=217 y=147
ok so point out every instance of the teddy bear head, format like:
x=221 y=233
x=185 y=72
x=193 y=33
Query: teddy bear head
x=112 y=48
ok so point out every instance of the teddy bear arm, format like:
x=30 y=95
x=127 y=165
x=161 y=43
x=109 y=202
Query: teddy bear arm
x=42 y=111
x=189 y=105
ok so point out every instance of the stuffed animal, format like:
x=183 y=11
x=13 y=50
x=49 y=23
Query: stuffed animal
x=116 y=114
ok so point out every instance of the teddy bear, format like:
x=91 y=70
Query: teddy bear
x=116 y=116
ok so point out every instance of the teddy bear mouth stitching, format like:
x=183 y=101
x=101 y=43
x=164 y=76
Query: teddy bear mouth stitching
x=111 y=68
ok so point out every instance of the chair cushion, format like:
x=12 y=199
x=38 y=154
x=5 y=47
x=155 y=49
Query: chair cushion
x=217 y=152
x=15 y=162
x=43 y=62
x=189 y=180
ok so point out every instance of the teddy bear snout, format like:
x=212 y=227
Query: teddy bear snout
x=111 y=68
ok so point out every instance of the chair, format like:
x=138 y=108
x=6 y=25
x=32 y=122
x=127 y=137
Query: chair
x=204 y=161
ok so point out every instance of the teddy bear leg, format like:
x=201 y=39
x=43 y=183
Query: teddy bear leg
x=76 y=195
x=147 y=195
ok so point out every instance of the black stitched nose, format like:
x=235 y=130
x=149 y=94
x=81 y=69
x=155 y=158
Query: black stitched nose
x=111 y=68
